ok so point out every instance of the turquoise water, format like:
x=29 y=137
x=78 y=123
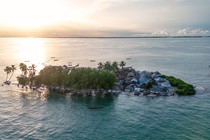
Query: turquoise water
x=23 y=115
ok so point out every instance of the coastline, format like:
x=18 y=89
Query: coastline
x=107 y=79
x=138 y=83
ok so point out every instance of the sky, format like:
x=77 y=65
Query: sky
x=64 y=18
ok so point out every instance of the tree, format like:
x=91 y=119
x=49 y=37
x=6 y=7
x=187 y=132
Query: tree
x=23 y=68
x=122 y=64
x=115 y=66
x=23 y=79
x=32 y=73
x=8 y=71
x=106 y=80
x=79 y=78
x=100 y=65
x=51 y=76
x=13 y=68
x=108 y=66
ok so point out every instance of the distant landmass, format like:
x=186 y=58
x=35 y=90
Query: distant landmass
x=107 y=36
x=88 y=31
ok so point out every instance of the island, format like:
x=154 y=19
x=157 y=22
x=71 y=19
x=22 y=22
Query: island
x=109 y=78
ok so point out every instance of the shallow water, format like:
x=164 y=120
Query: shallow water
x=23 y=115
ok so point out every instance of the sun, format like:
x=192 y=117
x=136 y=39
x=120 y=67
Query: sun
x=31 y=51
x=32 y=14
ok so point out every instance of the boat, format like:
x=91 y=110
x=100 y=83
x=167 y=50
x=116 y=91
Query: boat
x=7 y=82
x=94 y=107
x=92 y=60
x=128 y=58
x=69 y=63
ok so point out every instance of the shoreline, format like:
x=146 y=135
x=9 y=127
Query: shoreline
x=138 y=83
x=109 y=78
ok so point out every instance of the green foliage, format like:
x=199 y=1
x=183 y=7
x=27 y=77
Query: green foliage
x=100 y=65
x=8 y=70
x=23 y=68
x=23 y=80
x=13 y=68
x=106 y=80
x=183 y=88
x=115 y=66
x=108 y=66
x=122 y=64
x=27 y=75
x=111 y=66
x=82 y=78
x=174 y=81
x=79 y=78
x=50 y=76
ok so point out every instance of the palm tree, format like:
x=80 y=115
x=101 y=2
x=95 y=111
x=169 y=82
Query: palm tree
x=13 y=68
x=100 y=65
x=115 y=66
x=8 y=71
x=122 y=64
x=32 y=69
x=23 y=68
x=32 y=72
x=108 y=65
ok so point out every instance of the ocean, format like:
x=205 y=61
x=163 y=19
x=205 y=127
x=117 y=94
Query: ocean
x=24 y=115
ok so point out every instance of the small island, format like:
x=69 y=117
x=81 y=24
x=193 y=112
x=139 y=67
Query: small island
x=109 y=78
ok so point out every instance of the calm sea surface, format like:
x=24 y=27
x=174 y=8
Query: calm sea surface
x=23 y=115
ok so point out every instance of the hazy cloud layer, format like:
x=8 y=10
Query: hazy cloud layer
x=183 y=32
x=190 y=31
x=109 y=17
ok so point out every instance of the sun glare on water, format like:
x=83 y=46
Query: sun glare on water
x=32 y=51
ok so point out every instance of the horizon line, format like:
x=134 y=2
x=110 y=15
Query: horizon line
x=104 y=36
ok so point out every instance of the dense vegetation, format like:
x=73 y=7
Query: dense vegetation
x=28 y=74
x=111 y=66
x=183 y=88
x=79 y=78
x=104 y=77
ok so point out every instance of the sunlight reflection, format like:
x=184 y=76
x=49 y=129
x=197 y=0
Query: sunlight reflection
x=32 y=51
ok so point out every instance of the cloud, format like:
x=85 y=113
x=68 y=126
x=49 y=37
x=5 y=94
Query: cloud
x=182 y=32
x=191 y=32
x=112 y=17
x=160 y=33
x=104 y=4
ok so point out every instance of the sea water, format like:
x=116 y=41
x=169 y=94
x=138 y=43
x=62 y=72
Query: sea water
x=24 y=115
